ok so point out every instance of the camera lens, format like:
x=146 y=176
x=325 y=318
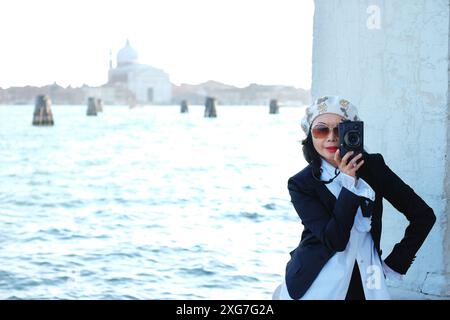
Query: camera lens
x=352 y=139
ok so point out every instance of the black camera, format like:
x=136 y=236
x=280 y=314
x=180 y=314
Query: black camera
x=351 y=137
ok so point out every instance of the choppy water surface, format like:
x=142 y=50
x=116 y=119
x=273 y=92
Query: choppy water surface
x=147 y=203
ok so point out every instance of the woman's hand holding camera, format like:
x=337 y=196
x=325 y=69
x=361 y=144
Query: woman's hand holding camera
x=352 y=166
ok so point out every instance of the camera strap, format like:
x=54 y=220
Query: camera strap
x=336 y=172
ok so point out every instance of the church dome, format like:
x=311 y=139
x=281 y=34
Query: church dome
x=127 y=55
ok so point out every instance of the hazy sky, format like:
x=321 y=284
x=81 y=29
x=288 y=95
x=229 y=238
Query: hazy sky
x=232 y=41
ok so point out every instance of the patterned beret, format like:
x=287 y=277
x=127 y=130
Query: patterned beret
x=329 y=104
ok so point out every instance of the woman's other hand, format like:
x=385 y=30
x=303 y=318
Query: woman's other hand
x=352 y=166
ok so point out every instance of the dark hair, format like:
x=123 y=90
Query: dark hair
x=311 y=155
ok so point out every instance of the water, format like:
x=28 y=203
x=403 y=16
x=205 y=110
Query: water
x=147 y=203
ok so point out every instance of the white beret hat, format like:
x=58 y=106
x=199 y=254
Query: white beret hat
x=329 y=104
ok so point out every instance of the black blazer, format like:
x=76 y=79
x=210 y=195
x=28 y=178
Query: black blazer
x=327 y=221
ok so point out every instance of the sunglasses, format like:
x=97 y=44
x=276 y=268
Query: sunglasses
x=321 y=131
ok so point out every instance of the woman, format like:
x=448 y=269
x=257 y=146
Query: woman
x=340 y=206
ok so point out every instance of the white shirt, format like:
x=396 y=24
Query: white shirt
x=334 y=279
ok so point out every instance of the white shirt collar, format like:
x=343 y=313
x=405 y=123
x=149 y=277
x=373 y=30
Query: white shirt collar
x=328 y=171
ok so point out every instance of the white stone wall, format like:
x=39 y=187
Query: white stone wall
x=391 y=59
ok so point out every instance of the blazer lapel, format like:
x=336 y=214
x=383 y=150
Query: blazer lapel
x=325 y=195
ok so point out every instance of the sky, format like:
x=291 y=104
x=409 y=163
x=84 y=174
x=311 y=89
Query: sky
x=237 y=42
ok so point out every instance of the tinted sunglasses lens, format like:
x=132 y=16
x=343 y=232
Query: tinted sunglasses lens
x=323 y=131
x=320 y=131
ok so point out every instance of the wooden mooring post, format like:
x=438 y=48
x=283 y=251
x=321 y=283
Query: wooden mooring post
x=43 y=115
x=99 y=105
x=92 y=107
x=274 y=107
x=184 y=107
x=210 y=107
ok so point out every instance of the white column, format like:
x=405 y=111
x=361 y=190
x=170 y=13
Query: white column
x=391 y=59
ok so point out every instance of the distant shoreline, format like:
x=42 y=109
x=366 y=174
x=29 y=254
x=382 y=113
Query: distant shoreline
x=253 y=94
x=155 y=105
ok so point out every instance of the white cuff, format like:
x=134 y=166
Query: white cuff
x=391 y=274
x=357 y=186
